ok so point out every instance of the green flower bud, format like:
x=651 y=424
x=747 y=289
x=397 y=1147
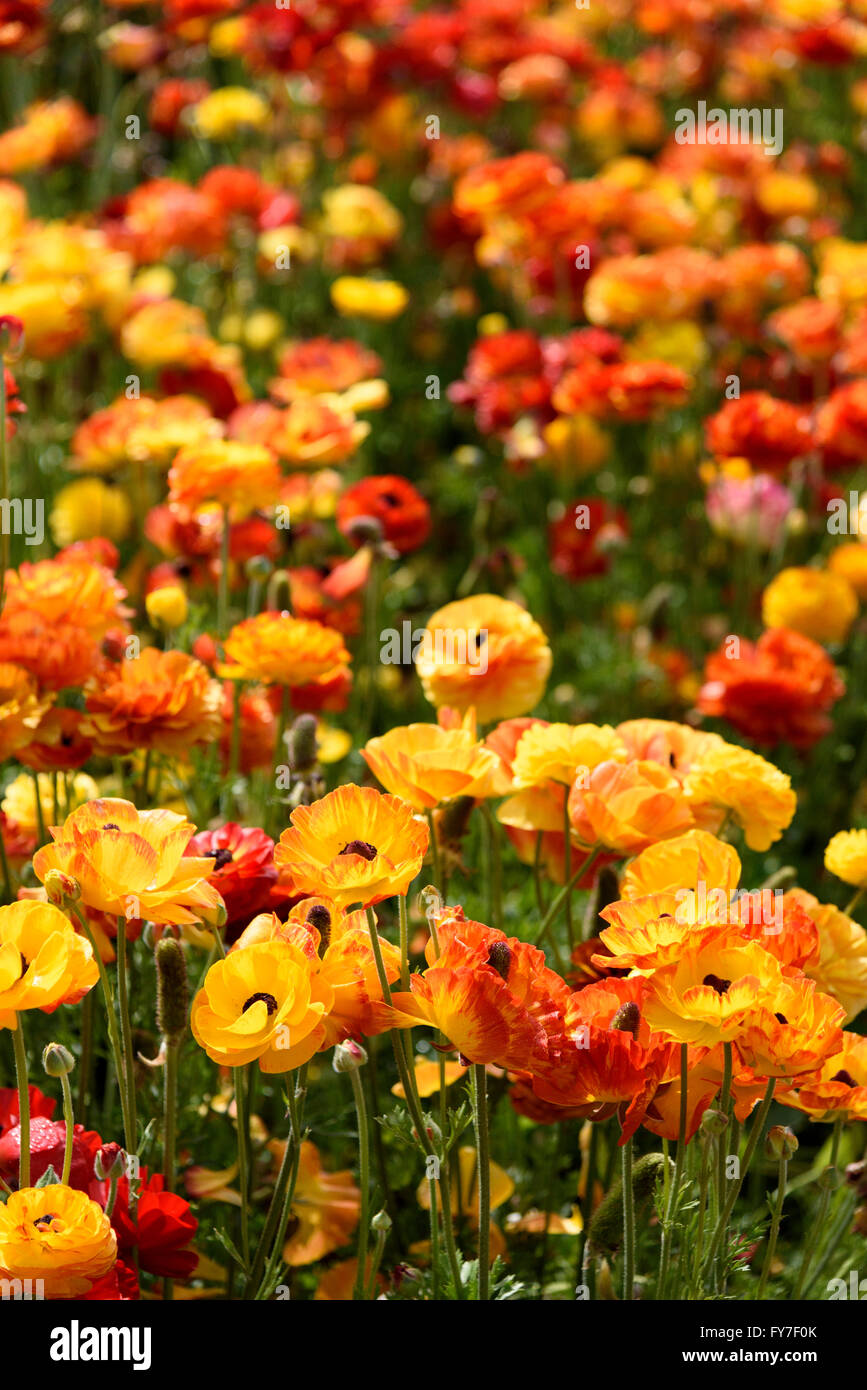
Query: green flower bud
x=172 y=989
x=606 y=1228
x=781 y=1142
x=381 y=1222
x=713 y=1124
x=57 y=1060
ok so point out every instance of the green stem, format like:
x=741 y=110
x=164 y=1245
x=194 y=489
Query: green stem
x=567 y=861
x=113 y=1033
x=819 y=1224
x=170 y=1105
x=735 y=1187
x=223 y=589
x=243 y=1128
x=23 y=1100
x=483 y=1163
x=69 y=1121
x=495 y=869
x=364 y=1179
x=554 y=910
x=587 y=1204
x=628 y=1222
x=677 y=1179
x=404 y=942
x=297 y=1094
x=775 y=1225
x=126 y=1031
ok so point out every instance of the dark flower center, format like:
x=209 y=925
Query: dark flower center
x=360 y=847
x=500 y=958
x=843 y=1075
x=221 y=857
x=479 y=640
x=110 y=825
x=389 y=499
x=43 y=1223
x=320 y=918
x=627 y=1019
x=267 y=999
x=781 y=1018
x=721 y=986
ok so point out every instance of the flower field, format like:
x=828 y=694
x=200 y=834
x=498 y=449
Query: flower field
x=433 y=651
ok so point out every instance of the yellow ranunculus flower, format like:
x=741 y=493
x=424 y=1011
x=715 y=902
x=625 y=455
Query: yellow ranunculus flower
x=846 y=857
x=264 y=1003
x=556 y=752
x=19 y=799
x=850 y=563
x=58 y=1235
x=369 y=299
x=43 y=960
x=88 y=507
x=221 y=114
x=818 y=603
x=755 y=793
x=425 y=764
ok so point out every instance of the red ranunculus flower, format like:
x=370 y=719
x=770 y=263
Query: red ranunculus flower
x=47 y=1144
x=580 y=543
x=399 y=508
x=244 y=872
x=40 y=1106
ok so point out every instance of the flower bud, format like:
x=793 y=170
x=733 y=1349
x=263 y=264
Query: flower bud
x=258 y=567
x=167 y=608
x=713 y=1124
x=110 y=1162
x=348 y=1056
x=627 y=1019
x=57 y=1060
x=781 y=1142
x=362 y=530
x=303 y=746
x=172 y=991
x=830 y=1180
x=381 y=1223
x=59 y=885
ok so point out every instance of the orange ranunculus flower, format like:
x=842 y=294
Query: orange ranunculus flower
x=511 y=186
x=58 y=1235
x=276 y=648
x=838 y=1088
x=70 y=591
x=166 y=701
x=338 y=946
x=622 y=390
x=683 y=861
x=56 y=654
x=264 y=1003
x=242 y=477
x=353 y=845
x=325 y=1206
x=314 y=431
x=610 y=1059
x=839 y=965
x=647 y=932
x=627 y=806
x=316 y=366
x=792 y=1033
x=492 y=996
x=715 y=988
x=131 y=863
x=43 y=960
x=485 y=652
x=556 y=752
x=675 y=746
x=21 y=709
x=58 y=744
x=425 y=764
x=141 y=430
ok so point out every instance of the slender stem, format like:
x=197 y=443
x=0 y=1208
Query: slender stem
x=735 y=1187
x=567 y=861
x=819 y=1225
x=404 y=942
x=86 y=1056
x=40 y=818
x=854 y=901
x=483 y=1156
x=364 y=1179
x=628 y=1222
x=23 y=1096
x=113 y=1033
x=554 y=910
x=725 y=1099
x=126 y=1030
x=243 y=1128
x=69 y=1121
x=775 y=1224
x=297 y=1095
x=587 y=1203
x=704 y=1179
x=677 y=1179
x=537 y=875
x=170 y=1105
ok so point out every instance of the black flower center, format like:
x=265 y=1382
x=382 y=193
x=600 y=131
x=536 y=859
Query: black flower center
x=267 y=999
x=110 y=825
x=627 y=1019
x=221 y=857
x=360 y=847
x=500 y=958
x=43 y=1223
x=843 y=1075
x=781 y=1018
x=721 y=986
